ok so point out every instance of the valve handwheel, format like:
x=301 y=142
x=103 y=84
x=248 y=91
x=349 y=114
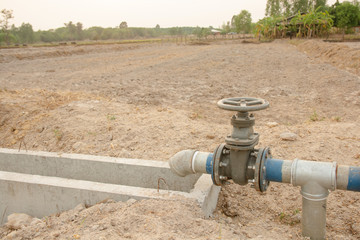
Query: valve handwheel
x=243 y=104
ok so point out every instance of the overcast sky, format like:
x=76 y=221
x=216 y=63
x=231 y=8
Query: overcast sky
x=48 y=14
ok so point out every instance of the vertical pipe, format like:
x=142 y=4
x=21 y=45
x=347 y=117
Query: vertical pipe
x=313 y=219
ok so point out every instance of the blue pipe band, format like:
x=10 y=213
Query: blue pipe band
x=354 y=179
x=274 y=170
x=209 y=164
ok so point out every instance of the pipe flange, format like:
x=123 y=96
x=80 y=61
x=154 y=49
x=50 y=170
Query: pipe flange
x=262 y=179
x=257 y=168
x=217 y=158
x=260 y=182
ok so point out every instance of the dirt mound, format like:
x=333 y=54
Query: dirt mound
x=339 y=55
x=199 y=43
x=146 y=219
x=30 y=53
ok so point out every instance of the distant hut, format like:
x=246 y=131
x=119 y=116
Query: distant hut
x=215 y=32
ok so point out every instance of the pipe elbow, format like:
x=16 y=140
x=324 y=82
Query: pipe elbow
x=181 y=163
x=191 y=161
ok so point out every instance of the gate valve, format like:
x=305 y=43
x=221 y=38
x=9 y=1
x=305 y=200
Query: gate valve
x=237 y=159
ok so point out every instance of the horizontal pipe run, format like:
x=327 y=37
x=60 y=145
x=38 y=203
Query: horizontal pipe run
x=346 y=177
x=274 y=170
x=202 y=162
x=337 y=176
x=354 y=179
x=278 y=170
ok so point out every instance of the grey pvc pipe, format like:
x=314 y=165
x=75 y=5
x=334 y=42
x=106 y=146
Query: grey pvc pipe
x=191 y=161
x=313 y=219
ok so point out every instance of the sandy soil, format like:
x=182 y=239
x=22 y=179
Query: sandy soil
x=150 y=101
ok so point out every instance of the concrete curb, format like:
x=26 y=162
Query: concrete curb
x=42 y=183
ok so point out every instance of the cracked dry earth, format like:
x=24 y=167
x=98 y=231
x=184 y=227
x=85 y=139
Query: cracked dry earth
x=150 y=101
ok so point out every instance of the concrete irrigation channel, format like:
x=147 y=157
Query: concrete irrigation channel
x=43 y=183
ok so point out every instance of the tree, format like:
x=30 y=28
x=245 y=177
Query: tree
x=95 y=33
x=302 y=6
x=242 y=22
x=226 y=28
x=201 y=32
x=320 y=5
x=123 y=25
x=157 y=26
x=273 y=8
x=71 y=30
x=276 y=8
x=79 y=31
x=347 y=15
x=6 y=15
x=26 y=33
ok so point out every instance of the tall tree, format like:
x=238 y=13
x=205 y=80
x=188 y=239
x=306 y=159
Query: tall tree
x=71 y=30
x=26 y=33
x=226 y=28
x=319 y=3
x=273 y=8
x=6 y=15
x=123 y=25
x=242 y=22
x=79 y=31
x=278 y=7
x=302 y=6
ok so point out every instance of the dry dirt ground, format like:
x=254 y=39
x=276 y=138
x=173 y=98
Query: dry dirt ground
x=150 y=101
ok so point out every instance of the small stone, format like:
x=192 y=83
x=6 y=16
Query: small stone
x=102 y=227
x=56 y=234
x=296 y=218
x=272 y=124
x=131 y=201
x=77 y=145
x=113 y=222
x=288 y=136
x=228 y=220
x=12 y=235
x=73 y=217
x=18 y=220
x=35 y=221
x=356 y=227
x=79 y=207
x=95 y=227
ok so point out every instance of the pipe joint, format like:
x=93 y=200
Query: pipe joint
x=314 y=177
x=314 y=192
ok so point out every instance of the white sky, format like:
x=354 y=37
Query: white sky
x=47 y=14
